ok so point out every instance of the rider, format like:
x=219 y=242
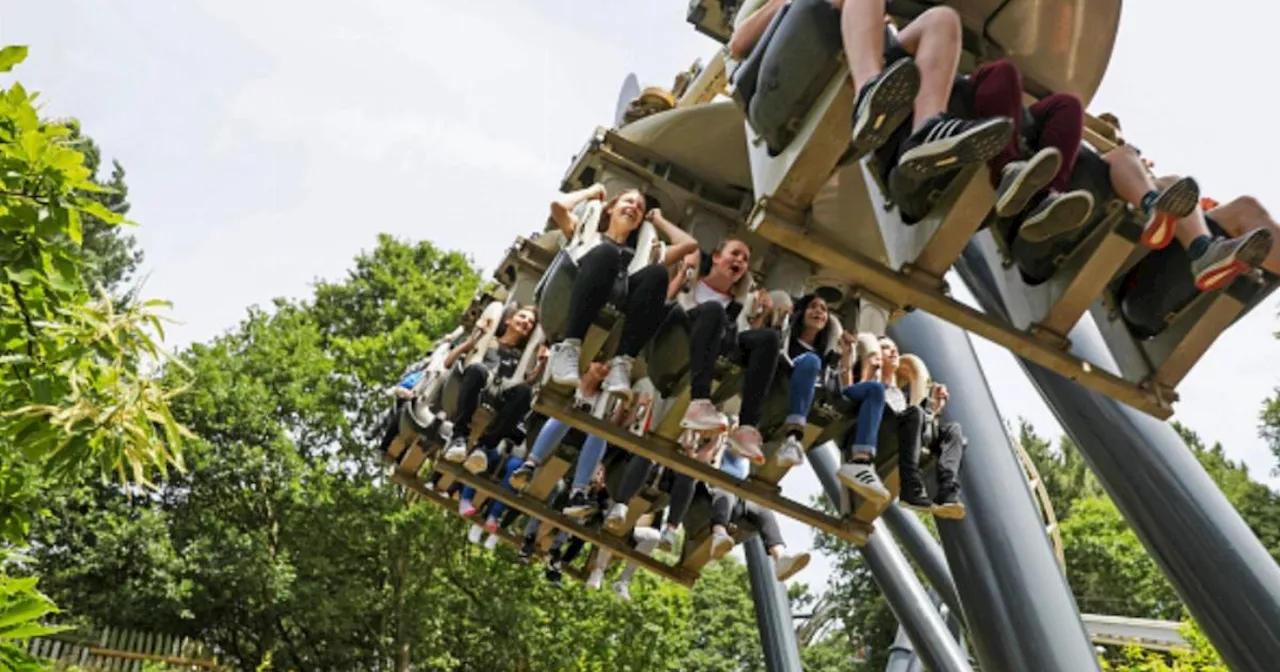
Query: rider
x=495 y=369
x=808 y=339
x=725 y=507
x=600 y=268
x=945 y=440
x=870 y=393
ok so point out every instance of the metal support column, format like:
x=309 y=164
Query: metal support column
x=897 y=580
x=921 y=547
x=773 y=611
x=901 y=653
x=1004 y=568
x=1219 y=568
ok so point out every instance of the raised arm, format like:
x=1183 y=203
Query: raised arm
x=465 y=346
x=748 y=33
x=682 y=244
x=562 y=208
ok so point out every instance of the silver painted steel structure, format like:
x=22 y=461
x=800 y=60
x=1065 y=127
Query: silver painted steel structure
x=897 y=580
x=1005 y=571
x=1219 y=568
x=773 y=611
x=925 y=552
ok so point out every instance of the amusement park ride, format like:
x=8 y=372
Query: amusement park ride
x=734 y=149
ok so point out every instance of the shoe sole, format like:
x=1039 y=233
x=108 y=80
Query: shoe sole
x=578 y=511
x=922 y=508
x=720 y=550
x=1251 y=252
x=1174 y=203
x=756 y=456
x=787 y=464
x=563 y=380
x=475 y=465
x=976 y=145
x=952 y=511
x=795 y=569
x=1039 y=172
x=1067 y=215
x=876 y=497
x=615 y=525
x=685 y=423
x=624 y=393
x=455 y=459
x=519 y=484
x=888 y=105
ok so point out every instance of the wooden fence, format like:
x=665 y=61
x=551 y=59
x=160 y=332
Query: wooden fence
x=116 y=649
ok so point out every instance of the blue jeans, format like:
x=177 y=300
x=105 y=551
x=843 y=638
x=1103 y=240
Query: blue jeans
x=553 y=432
x=870 y=397
x=804 y=378
x=497 y=508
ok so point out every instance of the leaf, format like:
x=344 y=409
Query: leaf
x=23 y=278
x=31 y=630
x=28 y=609
x=73 y=227
x=11 y=56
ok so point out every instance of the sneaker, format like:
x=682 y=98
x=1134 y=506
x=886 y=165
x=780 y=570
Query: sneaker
x=491 y=526
x=474 y=534
x=1022 y=180
x=721 y=543
x=476 y=462
x=702 y=416
x=1228 y=258
x=522 y=476
x=554 y=572
x=617 y=518
x=579 y=506
x=457 y=450
x=623 y=590
x=467 y=509
x=595 y=579
x=528 y=549
x=618 y=382
x=913 y=496
x=745 y=441
x=945 y=143
x=861 y=477
x=1173 y=203
x=562 y=364
x=667 y=542
x=491 y=542
x=1056 y=216
x=789 y=565
x=947 y=504
x=791 y=453
x=884 y=103
x=445 y=430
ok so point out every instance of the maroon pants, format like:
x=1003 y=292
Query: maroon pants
x=997 y=92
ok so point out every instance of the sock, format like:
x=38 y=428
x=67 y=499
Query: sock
x=1149 y=201
x=1199 y=246
x=861 y=458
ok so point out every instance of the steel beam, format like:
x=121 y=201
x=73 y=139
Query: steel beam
x=773 y=611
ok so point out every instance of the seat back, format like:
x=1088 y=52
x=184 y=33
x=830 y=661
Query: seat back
x=745 y=77
x=493 y=313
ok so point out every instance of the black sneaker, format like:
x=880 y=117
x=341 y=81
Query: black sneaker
x=528 y=549
x=944 y=144
x=914 y=496
x=1057 y=216
x=883 y=104
x=579 y=506
x=947 y=504
x=521 y=477
x=554 y=571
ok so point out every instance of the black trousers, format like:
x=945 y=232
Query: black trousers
x=949 y=446
x=722 y=511
x=511 y=407
x=637 y=472
x=393 y=426
x=598 y=271
x=903 y=432
x=757 y=352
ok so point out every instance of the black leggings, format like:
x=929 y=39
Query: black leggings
x=759 y=355
x=764 y=520
x=682 y=488
x=393 y=426
x=904 y=432
x=511 y=406
x=643 y=306
x=948 y=445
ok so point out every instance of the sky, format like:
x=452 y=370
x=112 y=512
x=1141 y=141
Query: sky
x=267 y=143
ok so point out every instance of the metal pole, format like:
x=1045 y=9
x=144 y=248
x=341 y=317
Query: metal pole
x=901 y=653
x=773 y=611
x=898 y=582
x=1219 y=568
x=926 y=553
x=1005 y=571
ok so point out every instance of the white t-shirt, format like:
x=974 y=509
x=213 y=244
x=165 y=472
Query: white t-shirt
x=704 y=293
x=895 y=399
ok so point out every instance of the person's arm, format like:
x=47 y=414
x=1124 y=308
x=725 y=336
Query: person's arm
x=846 y=360
x=682 y=244
x=465 y=346
x=748 y=33
x=562 y=208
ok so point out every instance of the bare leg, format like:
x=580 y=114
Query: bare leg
x=933 y=39
x=1246 y=214
x=862 y=26
x=1163 y=205
x=1129 y=177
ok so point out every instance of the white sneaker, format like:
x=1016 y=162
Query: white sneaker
x=789 y=565
x=618 y=382
x=445 y=430
x=745 y=442
x=721 y=544
x=563 y=362
x=466 y=508
x=622 y=590
x=791 y=453
x=457 y=450
x=595 y=579
x=492 y=542
x=616 y=519
x=475 y=533
x=862 y=478
x=667 y=541
x=702 y=416
x=476 y=462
